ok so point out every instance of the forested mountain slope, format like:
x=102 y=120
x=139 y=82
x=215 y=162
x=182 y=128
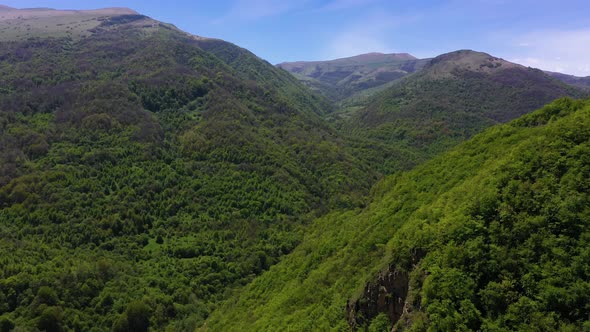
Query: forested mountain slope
x=455 y=96
x=493 y=235
x=145 y=172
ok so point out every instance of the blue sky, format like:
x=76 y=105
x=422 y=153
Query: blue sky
x=547 y=34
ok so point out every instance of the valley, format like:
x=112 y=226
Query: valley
x=156 y=180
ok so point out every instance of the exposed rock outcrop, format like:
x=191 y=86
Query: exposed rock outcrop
x=387 y=294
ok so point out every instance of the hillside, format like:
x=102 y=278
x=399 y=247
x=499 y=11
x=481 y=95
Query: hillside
x=492 y=235
x=455 y=96
x=356 y=76
x=146 y=172
x=579 y=82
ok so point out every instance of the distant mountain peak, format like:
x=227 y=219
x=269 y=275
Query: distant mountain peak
x=469 y=60
x=366 y=57
x=382 y=56
x=339 y=79
x=575 y=81
x=463 y=54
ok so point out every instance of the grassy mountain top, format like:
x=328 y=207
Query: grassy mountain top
x=21 y=24
x=341 y=79
x=32 y=13
x=492 y=235
x=455 y=96
x=455 y=63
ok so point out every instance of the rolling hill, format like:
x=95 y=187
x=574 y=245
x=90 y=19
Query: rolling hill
x=492 y=235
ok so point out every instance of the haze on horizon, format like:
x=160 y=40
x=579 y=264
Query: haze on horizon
x=549 y=35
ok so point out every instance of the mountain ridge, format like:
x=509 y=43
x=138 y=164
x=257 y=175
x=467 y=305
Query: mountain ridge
x=469 y=60
x=371 y=56
x=20 y=24
x=28 y=13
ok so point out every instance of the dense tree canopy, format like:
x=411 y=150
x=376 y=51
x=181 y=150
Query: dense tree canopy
x=142 y=177
x=152 y=180
x=491 y=236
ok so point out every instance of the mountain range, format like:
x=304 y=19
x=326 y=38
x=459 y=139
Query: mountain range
x=345 y=78
x=151 y=179
x=453 y=97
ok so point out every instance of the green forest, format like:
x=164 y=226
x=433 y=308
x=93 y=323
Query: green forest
x=151 y=180
x=166 y=185
x=491 y=236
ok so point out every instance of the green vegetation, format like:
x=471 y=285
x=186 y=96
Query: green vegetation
x=492 y=236
x=151 y=180
x=142 y=177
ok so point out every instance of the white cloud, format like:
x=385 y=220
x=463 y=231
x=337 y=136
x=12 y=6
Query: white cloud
x=565 y=51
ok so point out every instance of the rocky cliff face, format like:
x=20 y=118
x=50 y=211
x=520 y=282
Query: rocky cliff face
x=386 y=294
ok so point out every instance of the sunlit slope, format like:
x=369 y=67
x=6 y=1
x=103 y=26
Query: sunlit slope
x=492 y=235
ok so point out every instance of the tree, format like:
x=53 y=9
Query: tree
x=380 y=323
x=46 y=295
x=6 y=325
x=51 y=320
x=136 y=318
